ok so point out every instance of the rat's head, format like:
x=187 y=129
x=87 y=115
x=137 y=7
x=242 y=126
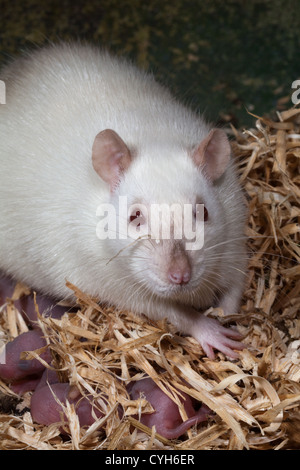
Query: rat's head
x=169 y=214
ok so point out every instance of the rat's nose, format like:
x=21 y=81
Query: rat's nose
x=179 y=275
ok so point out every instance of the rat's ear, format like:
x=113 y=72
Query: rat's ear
x=213 y=154
x=110 y=157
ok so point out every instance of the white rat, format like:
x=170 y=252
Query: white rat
x=81 y=128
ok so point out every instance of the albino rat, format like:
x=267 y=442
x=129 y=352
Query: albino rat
x=80 y=129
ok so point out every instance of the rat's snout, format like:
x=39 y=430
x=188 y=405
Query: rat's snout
x=179 y=271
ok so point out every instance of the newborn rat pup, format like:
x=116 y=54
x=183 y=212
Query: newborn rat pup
x=81 y=132
x=50 y=395
x=31 y=375
x=166 y=417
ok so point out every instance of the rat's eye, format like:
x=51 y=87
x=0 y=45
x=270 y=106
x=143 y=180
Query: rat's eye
x=138 y=217
x=205 y=213
x=135 y=216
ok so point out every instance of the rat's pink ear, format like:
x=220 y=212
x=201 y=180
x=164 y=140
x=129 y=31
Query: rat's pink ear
x=213 y=154
x=110 y=157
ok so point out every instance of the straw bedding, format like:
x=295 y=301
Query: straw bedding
x=255 y=399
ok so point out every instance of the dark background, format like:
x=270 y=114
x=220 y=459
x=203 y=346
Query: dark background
x=220 y=57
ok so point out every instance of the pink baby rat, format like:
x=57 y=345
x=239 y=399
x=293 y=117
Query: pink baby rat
x=166 y=417
x=50 y=395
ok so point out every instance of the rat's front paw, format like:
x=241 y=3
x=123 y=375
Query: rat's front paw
x=212 y=335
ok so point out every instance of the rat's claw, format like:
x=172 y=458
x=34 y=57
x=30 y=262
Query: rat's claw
x=212 y=335
x=208 y=350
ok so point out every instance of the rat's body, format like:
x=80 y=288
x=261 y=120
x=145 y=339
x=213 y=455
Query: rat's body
x=59 y=101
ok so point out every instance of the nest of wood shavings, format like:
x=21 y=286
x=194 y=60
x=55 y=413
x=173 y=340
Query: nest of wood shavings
x=255 y=399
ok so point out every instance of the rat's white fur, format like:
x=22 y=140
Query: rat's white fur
x=58 y=99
